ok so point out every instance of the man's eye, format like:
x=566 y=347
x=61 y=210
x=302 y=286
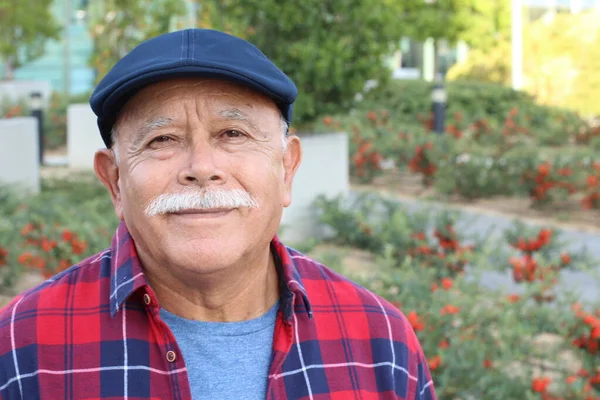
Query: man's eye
x=160 y=139
x=232 y=133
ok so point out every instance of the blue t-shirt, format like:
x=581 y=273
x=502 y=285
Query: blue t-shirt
x=226 y=360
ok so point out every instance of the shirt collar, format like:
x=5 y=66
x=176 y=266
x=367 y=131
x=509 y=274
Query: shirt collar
x=127 y=274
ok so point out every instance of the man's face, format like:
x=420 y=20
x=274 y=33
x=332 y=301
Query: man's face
x=196 y=136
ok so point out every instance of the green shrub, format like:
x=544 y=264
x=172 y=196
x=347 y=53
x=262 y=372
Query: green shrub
x=11 y=109
x=32 y=228
x=480 y=343
x=407 y=99
x=55 y=119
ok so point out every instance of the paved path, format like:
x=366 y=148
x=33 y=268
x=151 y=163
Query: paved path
x=480 y=224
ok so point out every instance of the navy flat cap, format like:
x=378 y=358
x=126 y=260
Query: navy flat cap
x=202 y=53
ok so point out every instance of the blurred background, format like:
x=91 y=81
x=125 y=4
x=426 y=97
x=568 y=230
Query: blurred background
x=452 y=163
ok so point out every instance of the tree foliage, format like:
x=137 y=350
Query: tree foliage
x=439 y=19
x=329 y=48
x=558 y=65
x=25 y=26
x=117 y=26
x=489 y=23
x=479 y=23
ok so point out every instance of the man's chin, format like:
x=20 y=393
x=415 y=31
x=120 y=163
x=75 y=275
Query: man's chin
x=204 y=259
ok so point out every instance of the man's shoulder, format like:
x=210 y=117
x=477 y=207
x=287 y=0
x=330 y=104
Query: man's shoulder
x=78 y=280
x=348 y=315
x=333 y=295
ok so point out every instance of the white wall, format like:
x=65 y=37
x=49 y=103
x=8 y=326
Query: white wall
x=324 y=170
x=19 y=153
x=21 y=90
x=83 y=136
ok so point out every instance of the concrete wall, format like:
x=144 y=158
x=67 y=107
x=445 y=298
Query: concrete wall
x=19 y=153
x=324 y=170
x=19 y=90
x=83 y=136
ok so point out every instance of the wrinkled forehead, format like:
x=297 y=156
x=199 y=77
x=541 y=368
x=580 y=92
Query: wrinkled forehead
x=215 y=97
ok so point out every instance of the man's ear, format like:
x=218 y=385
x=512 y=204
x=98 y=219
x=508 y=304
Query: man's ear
x=107 y=170
x=291 y=161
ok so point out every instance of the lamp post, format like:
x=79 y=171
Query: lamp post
x=35 y=104
x=439 y=99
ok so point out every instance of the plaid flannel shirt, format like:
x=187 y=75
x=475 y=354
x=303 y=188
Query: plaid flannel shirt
x=95 y=332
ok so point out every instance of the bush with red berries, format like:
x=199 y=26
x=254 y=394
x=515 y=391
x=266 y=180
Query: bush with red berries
x=47 y=233
x=480 y=342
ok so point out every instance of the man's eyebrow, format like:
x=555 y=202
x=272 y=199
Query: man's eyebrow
x=236 y=114
x=148 y=127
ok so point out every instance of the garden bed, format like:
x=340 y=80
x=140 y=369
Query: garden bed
x=567 y=215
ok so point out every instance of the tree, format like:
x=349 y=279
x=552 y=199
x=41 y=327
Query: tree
x=117 y=26
x=479 y=23
x=25 y=26
x=489 y=24
x=560 y=68
x=330 y=48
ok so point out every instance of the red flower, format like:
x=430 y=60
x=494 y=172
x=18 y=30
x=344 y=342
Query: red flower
x=591 y=320
x=434 y=287
x=67 y=235
x=416 y=324
x=572 y=379
x=63 y=264
x=513 y=298
x=364 y=147
x=434 y=363
x=444 y=344
x=25 y=258
x=3 y=254
x=27 y=229
x=449 y=309
x=583 y=373
x=518 y=268
x=545 y=235
x=487 y=364
x=48 y=245
x=565 y=258
x=78 y=247
x=540 y=385
x=447 y=283
x=544 y=169
x=565 y=171
x=419 y=236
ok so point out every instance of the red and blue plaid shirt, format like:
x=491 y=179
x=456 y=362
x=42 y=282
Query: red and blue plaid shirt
x=95 y=332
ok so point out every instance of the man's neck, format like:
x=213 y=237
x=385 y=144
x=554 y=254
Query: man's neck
x=237 y=293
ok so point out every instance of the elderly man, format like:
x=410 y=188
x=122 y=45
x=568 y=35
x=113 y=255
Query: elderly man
x=197 y=298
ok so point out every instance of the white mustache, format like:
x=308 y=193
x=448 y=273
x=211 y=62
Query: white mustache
x=200 y=200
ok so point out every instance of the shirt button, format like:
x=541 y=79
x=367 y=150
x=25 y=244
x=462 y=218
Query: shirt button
x=147 y=299
x=171 y=356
